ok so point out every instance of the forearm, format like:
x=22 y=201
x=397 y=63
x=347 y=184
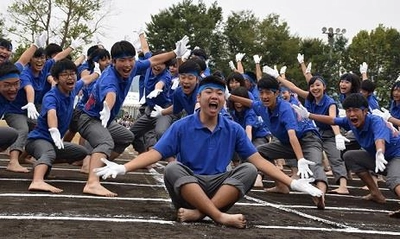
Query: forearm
x=143 y=160
x=52 y=121
x=30 y=94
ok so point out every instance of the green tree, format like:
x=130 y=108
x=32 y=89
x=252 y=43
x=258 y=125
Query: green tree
x=64 y=19
x=381 y=50
x=185 y=18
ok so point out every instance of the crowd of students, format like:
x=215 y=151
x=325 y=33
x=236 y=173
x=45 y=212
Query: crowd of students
x=220 y=135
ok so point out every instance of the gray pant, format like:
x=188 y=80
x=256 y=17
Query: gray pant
x=104 y=140
x=23 y=125
x=311 y=145
x=7 y=137
x=176 y=175
x=47 y=153
x=361 y=161
x=146 y=123
x=335 y=160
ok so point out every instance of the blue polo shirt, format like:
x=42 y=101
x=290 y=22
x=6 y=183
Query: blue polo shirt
x=111 y=81
x=203 y=151
x=64 y=106
x=321 y=108
x=374 y=128
x=373 y=102
x=394 y=109
x=255 y=93
x=150 y=81
x=185 y=102
x=142 y=74
x=20 y=99
x=248 y=117
x=282 y=119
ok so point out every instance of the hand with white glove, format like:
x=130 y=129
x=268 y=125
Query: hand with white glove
x=105 y=114
x=154 y=93
x=239 y=56
x=175 y=83
x=181 y=47
x=341 y=141
x=272 y=72
x=56 y=136
x=303 y=185
x=232 y=66
x=40 y=41
x=385 y=114
x=283 y=70
x=227 y=93
x=257 y=59
x=186 y=55
x=363 y=68
x=304 y=169
x=308 y=69
x=398 y=79
x=140 y=31
x=380 y=161
x=302 y=111
x=96 y=68
x=300 y=58
x=157 y=111
x=31 y=110
x=111 y=169
x=75 y=43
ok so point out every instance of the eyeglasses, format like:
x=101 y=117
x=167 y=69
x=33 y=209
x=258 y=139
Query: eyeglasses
x=67 y=74
x=9 y=86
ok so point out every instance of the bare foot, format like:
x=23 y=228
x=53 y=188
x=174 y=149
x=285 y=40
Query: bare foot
x=343 y=191
x=17 y=168
x=375 y=198
x=43 y=186
x=78 y=163
x=258 y=183
x=319 y=202
x=232 y=220
x=189 y=215
x=28 y=160
x=276 y=189
x=98 y=189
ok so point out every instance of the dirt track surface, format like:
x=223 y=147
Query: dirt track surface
x=143 y=210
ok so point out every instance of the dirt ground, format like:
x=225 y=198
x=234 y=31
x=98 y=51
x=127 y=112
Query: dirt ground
x=143 y=210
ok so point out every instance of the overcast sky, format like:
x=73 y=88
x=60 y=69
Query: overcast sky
x=305 y=18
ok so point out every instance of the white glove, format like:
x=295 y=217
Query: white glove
x=154 y=93
x=97 y=68
x=303 y=185
x=302 y=111
x=363 y=68
x=111 y=169
x=340 y=141
x=283 y=70
x=105 y=114
x=308 y=69
x=272 y=72
x=227 y=93
x=75 y=43
x=231 y=65
x=385 y=114
x=239 y=56
x=31 y=110
x=186 y=55
x=156 y=111
x=140 y=31
x=56 y=136
x=342 y=113
x=257 y=59
x=380 y=161
x=181 y=47
x=40 y=41
x=175 y=83
x=398 y=79
x=300 y=58
x=303 y=167
x=137 y=45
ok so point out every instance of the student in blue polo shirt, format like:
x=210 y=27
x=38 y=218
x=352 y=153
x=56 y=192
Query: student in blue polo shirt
x=379 y=145
x=296 y=138
x=9 y=86
x=204 y=142
x=96 y=124
x=318 y=102
x=45 y=141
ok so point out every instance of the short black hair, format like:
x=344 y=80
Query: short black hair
x=268 y=83
x=200 y=62
x=189 y=66
x=6 y=44
x=368 y=85
x=355 y=100
x=62 y=65
x=201 y=53
x=122 y=48
x=52 y=49
x=39 y=52
x=212 y=80
x=8 y=68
